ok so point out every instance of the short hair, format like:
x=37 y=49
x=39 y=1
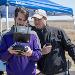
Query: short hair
x=23 y=11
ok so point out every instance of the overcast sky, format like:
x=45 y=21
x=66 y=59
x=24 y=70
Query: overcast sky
x=68 y=3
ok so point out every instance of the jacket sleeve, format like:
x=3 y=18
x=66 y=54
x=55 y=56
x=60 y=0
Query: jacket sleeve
x=36 y=55
x=67 y=44
x=4 y=54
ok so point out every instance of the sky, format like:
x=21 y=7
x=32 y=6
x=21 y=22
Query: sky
x=67 y=3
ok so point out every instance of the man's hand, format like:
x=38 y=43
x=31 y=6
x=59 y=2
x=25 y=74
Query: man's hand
x=11 y=51
x=28 y=52
x=46 y=49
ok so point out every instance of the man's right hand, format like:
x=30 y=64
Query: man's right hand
x=46 y=49
x=11 y=51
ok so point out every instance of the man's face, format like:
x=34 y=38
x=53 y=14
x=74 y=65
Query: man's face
x=39 y=23
x=20 y=19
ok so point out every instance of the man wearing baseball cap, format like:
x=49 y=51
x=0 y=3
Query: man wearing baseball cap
x=54 y=42
x=40 y=14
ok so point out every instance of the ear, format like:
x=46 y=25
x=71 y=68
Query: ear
x=45 y=18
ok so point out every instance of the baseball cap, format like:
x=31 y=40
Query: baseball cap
x=40 y=14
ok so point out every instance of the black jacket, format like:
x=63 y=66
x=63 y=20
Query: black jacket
x=55 y=61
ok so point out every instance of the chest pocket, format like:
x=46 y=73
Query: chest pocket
x=54 y=38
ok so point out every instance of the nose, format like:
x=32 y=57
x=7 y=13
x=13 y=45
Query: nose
x=36 y=22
